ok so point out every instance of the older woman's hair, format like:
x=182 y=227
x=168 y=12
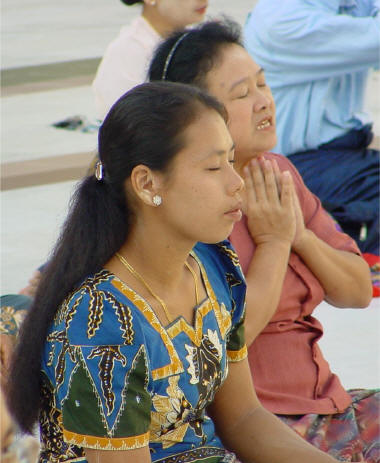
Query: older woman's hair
x=188 y=55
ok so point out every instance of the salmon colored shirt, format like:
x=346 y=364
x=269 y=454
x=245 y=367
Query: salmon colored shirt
x=290 y=373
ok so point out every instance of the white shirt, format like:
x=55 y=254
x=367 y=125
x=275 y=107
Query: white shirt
x=124 y=64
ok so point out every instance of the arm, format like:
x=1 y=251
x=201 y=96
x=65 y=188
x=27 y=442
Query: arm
x=272 y=227
x=7 y=345
x=252 y=432
x=31 y=288
x=124 y=456
x=345 y=276
x=332 y=44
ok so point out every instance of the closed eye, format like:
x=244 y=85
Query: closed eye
x=230 y=161
x=243 y=95
x=261 y=82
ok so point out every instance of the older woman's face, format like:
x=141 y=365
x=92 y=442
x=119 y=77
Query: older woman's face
x=239 y=83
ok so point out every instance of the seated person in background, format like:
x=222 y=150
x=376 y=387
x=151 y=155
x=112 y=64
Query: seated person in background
x=317 y=55
x=293 y=256
x=125 y=62
x=13 y=309
x=133 y=350
x=14 y=448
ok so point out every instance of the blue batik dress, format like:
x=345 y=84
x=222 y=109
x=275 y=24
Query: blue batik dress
x=116 y=378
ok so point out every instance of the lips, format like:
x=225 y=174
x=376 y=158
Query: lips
x=202 y=9
x=236 y=210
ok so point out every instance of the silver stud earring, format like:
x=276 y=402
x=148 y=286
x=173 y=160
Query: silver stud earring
x=157 y=200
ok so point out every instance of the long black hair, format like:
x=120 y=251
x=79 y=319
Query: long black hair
x=187 y=55
x=145 y=126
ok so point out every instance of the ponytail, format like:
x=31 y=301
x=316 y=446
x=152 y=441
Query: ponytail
x=94 y=230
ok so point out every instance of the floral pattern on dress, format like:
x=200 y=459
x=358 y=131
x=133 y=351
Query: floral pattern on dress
x=119 y=379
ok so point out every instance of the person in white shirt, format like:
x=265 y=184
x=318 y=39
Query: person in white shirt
x=126 y=59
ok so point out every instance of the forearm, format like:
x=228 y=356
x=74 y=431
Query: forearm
x=336 y=51
x=139 y=455
x=265 y=278
x=344 y=276
x=261 y=437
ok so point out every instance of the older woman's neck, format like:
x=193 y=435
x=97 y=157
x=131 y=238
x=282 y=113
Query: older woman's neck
x=241 y=161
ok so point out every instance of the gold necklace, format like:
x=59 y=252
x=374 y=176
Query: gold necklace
x=134 y=272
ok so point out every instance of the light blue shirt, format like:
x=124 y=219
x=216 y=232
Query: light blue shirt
x=316 y=55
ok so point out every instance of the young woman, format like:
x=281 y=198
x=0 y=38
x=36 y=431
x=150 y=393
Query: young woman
x=135 y=320
x=288 y=272
x=126 y=60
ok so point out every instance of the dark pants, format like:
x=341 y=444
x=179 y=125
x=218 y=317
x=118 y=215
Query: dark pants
x=344 y=174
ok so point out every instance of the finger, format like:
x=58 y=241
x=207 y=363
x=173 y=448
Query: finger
x=248 y=183
x=296 y=203
x=270 y=183
x=258 y=180
x=277 y=174
x=287 y=190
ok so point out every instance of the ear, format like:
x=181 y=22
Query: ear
x=145 y=183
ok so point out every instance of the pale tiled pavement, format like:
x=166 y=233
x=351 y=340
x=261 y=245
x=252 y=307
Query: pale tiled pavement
x=35 y=33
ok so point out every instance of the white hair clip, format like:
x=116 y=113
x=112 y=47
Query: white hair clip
x=99 y=174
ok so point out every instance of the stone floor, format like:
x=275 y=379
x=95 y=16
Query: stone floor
x=44 y=44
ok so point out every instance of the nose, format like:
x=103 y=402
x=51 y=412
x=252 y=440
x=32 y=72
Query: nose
x=236 y=183
x=262 y=102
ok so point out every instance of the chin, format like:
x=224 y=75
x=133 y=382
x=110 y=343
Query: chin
x=267 y=145
x=217 y=239
x=272 y=143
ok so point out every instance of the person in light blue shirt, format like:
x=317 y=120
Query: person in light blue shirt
x=317 y=55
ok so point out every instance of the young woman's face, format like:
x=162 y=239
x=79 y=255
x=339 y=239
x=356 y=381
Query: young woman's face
x=181 y=13
x=239 y=83
x=201 y=195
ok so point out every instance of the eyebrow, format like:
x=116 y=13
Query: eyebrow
x=221 y=152
x=240 y=81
